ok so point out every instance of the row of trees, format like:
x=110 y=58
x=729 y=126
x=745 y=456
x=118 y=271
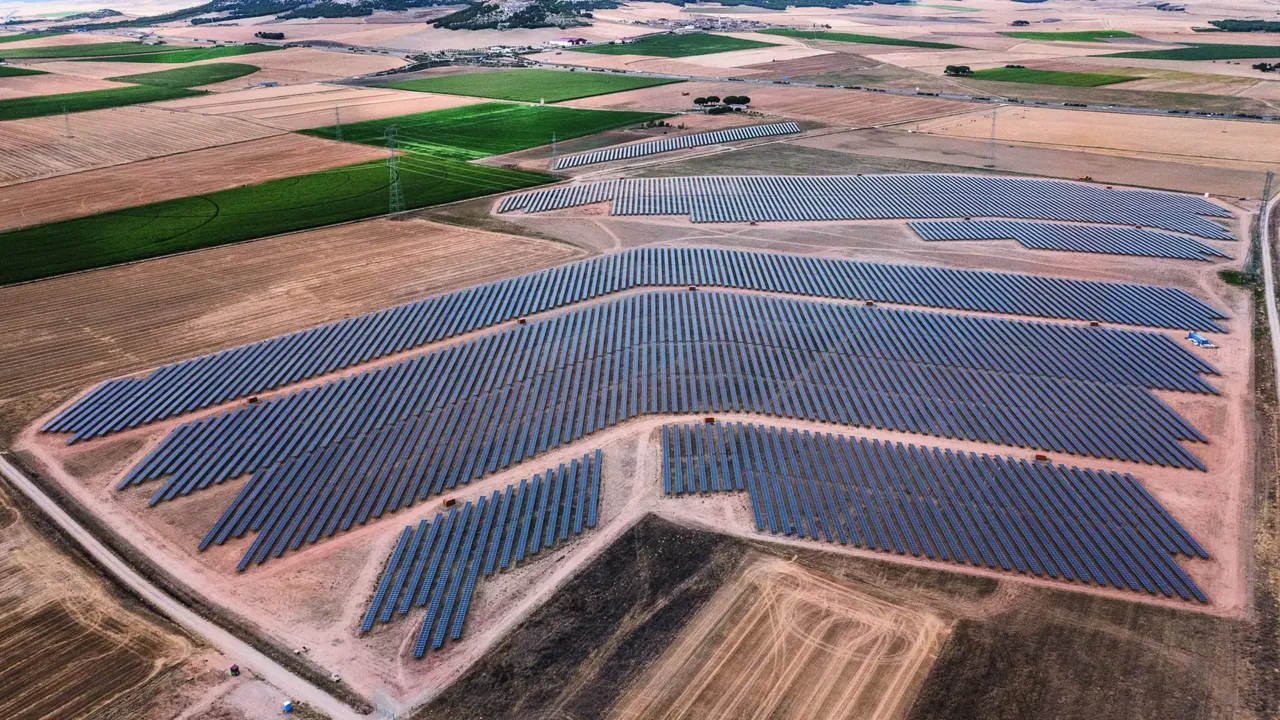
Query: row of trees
x=729 y=100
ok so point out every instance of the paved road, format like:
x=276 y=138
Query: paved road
x=236 y=650
x=1269 y=283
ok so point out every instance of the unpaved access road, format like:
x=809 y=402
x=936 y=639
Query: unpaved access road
x=235 y=650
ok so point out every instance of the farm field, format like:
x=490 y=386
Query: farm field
x=26 y=86
x=39 y=147
x=854 y=38
x=189 y=77
x=245 y=213
x=174 y=176
x=1205 y=51
x=1073 y=36
x=199 y=54
x=131 y=317
x=22 y=36
x=674 y=46
x=9 y=71
x=477 y=131
x=529 y=85
x=77 y=102
x=1049 y=77
x=83 y=50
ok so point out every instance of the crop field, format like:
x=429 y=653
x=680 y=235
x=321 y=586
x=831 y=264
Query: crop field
x=855 y=38
x=19 y=37
x=192 y=76
x=475 y=131
x=245 y=213
x=78 y=51
x=36 y=106
x=1077 y=36
x=530 y=85
x=7 y=71
x=1205 y=51
x=195 y=54
x=1046 y=77
x=671 y=46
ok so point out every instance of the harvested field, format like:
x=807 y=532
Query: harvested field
x=783 y=642
x=665 y=45
x=848 y=108
x=49 y=84
x=128 y=318
x=201 y=171
x=309 y=106
x=330 y=64
x=528 y=85
x=39 y=147
x=70 y=646
x=77 y=102
x=1251 y=146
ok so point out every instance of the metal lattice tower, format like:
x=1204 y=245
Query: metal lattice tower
x=337 y=122
x=991 y=143
x=396 y=204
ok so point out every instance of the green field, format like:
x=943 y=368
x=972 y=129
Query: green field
x=530 y=85
x=244 y=213
x=854 y=38
x=10 y=71
x=957 y=8
x=667 y=45
x=194 y=54
x=192 y=76
x=80 y=51
x=19 y=37
x=36 y=106
x=1050 y=77
x=1078 y=36
x=476 y=131
x=1205 y=51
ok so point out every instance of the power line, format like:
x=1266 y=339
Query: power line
x=396 y=204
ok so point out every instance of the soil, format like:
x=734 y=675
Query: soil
x=31 y=85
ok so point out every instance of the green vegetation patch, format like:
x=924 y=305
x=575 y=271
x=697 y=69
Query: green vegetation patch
x=667 y=45
x=1266 y=26
x=854 y=38
x=26 y=107
x=1205 y=51
x=19 y=37
x=245 y=213
x=476 y=131
x=1078 y=36
x=80 y=51
x=956 y=8
x=530 y=85
x=194 y=54
x=10 y=71
x=192 y=76
x=1050 y=77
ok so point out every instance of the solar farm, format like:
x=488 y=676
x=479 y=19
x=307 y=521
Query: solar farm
x=438 y=378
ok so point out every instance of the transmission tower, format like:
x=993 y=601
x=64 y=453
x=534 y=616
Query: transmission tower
x=393 y=168
x=553 y=149
x=67 y=118
x=337 y=121
x=991 y=143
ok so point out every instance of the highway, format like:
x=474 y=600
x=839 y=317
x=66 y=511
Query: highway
x=236 y=650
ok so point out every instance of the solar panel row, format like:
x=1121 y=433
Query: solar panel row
x=1041 y=519
x=438 y=563
x=1079 y=238
x=213 y=379
x=654 y=147
x=743 y=198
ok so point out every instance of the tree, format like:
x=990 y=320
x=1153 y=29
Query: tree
x=713 y=99
x=958 y=70
x=700 y=101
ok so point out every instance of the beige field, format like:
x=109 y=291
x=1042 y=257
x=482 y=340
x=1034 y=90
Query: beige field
x=124 y=319
x=312 y=105
x=784 y=642
x=181 y=175
x=103 y=69
x=1227 y=143
x=39 y=147
x=32 y=85
x=62 y=40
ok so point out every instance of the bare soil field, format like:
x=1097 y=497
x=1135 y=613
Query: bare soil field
x=128 y=318
x=106 y=69
x=848 y=108
x=61 y=40
x=783 y=642
x=173 y=176
x=313 y=105
x=31 y=85
x=39 y=147
x=70 y=645
x=1225 y=143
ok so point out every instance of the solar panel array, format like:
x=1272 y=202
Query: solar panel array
x=438 y=563
x=1042 y=519
x=743 y=198
x=332 y=455
x=209 y=380
x=682 y=142
x=1107 y=240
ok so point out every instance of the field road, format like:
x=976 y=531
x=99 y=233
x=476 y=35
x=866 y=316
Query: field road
x=235 y=649
x=1268 y=276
